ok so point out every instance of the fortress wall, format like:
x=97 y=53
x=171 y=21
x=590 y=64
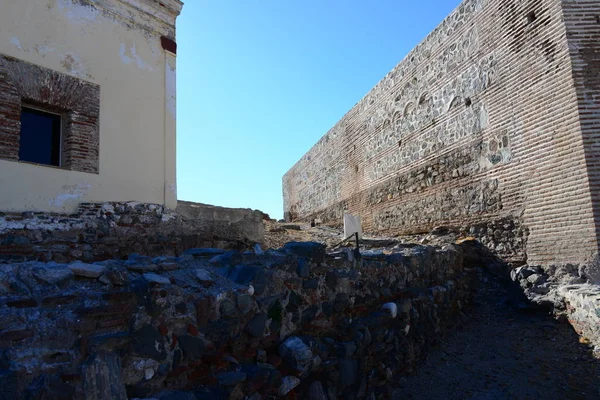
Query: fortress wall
x=478 y=127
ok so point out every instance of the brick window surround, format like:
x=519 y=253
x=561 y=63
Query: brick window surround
x=77 y=101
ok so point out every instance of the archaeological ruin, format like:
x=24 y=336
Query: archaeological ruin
x=472 y=165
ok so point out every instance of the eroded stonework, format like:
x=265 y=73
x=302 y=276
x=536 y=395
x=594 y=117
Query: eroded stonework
x=227 y=325
x=479 y=123
x=113 y=230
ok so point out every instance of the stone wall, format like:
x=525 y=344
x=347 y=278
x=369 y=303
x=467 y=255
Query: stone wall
x=231 y=223
x=113 y=230
x=572 y=292
x=482 y=122
x=224 y=325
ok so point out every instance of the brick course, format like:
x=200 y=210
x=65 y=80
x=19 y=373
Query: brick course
x=491 y=117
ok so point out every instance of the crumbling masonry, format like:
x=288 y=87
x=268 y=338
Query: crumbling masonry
x=490 y=124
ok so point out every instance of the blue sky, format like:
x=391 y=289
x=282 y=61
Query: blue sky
x=259 y=82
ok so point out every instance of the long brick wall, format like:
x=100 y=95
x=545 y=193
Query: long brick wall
x=491 y=118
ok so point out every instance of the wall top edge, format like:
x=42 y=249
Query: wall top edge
x=166 y=11
x=391 y=76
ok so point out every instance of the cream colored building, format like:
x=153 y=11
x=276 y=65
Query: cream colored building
x=87 y=103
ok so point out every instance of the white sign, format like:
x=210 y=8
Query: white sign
x=352 y=225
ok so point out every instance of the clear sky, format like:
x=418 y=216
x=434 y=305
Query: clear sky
x=259 y=82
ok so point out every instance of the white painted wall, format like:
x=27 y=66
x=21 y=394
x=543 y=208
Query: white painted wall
x=117 y=47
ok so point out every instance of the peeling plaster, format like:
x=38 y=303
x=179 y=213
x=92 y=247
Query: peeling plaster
x=72 y=194
x=172 y=188
x=73 y=64
x=133 y=57
x=171 y=88
x=78 y=12
x=43 y=49
x=15 y=42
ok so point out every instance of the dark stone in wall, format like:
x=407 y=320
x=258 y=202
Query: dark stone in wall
x=311 y=250
x=192 y=347
x=148 y=342
x=256 y=326
x=102 y=378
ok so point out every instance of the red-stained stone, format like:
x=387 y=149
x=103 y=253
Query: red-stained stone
x=192 y=330
x=162 y=328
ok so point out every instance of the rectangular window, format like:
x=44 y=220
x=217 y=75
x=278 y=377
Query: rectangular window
x=40 y=140
x=47 y=117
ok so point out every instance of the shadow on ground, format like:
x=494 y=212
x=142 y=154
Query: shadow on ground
x=506 y=349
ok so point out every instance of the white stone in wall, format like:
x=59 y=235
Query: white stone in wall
x=391 y=309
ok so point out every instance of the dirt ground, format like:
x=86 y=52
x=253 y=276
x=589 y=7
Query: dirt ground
x=506 y=350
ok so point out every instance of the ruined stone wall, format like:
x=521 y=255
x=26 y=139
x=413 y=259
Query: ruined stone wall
x=246 y=223
x=226 y=325
x=98 y=231
x=478 y=127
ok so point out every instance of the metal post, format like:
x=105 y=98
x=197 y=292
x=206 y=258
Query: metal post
x=357 y=250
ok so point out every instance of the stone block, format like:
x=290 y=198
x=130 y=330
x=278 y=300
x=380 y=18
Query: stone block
x=87 y=270
x=102 y=378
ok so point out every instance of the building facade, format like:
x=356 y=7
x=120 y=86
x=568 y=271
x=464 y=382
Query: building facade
x=87 y=103
x=490 y=125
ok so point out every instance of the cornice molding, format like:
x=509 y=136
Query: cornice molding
x=165 y=10
x=151 y=15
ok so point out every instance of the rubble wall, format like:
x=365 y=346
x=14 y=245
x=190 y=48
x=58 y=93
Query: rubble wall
x=215 y=324
x=571 y=291
x=98 y=231
x=478 y=127
x=244 y=222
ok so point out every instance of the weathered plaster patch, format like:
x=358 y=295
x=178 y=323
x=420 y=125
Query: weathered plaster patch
x=133 y=57
x=173 y=189
x=72 y=194
x=74 y=65
x=43 y=49
x=77 y=11
x=171 y=84
x=15 y=42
